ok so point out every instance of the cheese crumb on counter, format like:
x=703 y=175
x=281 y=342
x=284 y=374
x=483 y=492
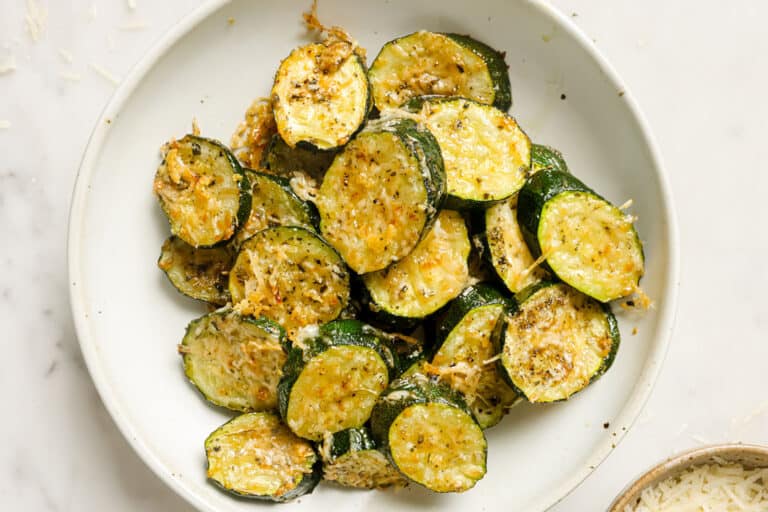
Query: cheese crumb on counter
x=4 y=124
x=7 y=64
x=36 y=20
x=105 y=74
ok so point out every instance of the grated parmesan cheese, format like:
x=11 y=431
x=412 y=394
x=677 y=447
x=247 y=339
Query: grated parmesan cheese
x=7 y=64
x=68 y=75
x=716 y=487
x=132 y=5
x=36 y=20
x=4 y=124
x=66 y=55
x=105 y=74
x=133 y=26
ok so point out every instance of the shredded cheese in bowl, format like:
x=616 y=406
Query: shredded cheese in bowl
x=707 y=488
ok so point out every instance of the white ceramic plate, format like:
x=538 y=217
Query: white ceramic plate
x=129 y=319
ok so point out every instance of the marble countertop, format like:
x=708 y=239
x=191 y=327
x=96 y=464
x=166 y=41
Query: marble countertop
x=696 y=69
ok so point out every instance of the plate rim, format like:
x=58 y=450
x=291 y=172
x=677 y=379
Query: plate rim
x=89 y=348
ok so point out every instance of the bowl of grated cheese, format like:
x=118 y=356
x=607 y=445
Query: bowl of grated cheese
x=723 y=478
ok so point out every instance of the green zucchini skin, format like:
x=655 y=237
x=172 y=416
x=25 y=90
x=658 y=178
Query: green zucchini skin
x=268 y=190
x=309 y=479
x=197 y=273
x=496 y=177
x=500 y=336
x=450 y=54
x=341 y=188
x=350 y=440
x=541 y=188
x=547 y=158
x=282 y=160
x=181 y=228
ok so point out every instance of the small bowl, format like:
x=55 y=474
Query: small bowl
x=749 y=456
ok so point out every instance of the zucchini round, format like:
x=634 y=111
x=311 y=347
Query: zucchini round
x=546 y=157
x=254 y=133
x=557 y=342
x=332 y=383
x=234 y=361
x=464 y=352
x=290 y=275
x=487 y=156
x=426 y=63
x=350 y=458
x=202 y=190
x=381 y=193
x=274 y=204
x=198 y=273
x=506 y=250
x=321 y=96
x=281 y=159
x=255 y=456
x=586 y=241
x=430 y=435
x=426 y=279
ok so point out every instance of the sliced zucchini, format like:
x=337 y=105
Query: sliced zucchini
x=290 y=275
x=282 y=160
x=546 y=157
x=333 y=381
x=202 y=190
x=350 y=458
x=256 y=456
x=382 y=193
x=274 y=204
x=430 y=435
x=198 y=273
x=557 y=342
x=235 y=361
x=487 y=156
x=464 y=353
x=428 y=278
x=586 y=241
x=321 y=95
x=425 y=63
x=506 y=250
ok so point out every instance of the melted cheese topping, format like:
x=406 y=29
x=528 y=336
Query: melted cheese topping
x=367 y=469
x=256 y=455
x=555 y=343
x=336 y=390
x=431 y=275
x=372 y=202
x=721 y=488
x=438 y=446
x=254 y=133
x=428 y=63
x=462 y=362
x=320 y=95
x=486 y=154
x=591 y=245
x=234 y=363
x=509 y=252
x=289 y=276
x=199 y=273
x=271 y=206
x=199 y=192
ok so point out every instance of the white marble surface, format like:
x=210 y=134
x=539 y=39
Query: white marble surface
x=697 y=70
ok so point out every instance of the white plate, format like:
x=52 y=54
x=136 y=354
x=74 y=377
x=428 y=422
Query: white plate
x=129 y=319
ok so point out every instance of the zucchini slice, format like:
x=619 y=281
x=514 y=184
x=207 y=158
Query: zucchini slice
x=282 y=160
x=273 y=203
x=428 y=278
x=202 y=190
x=506 y=249
x=290 y=275
x=546 y=157
x=487 y=156
x=198 y=273
x=321 y=95
x=430 y=435
x=586 y=241
x=382 y=193
x=426 y=63
x=557 y=342
x=332 y=383
x=235 y=361
x=464 y=353
x=350 y=458
x=256 y=456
